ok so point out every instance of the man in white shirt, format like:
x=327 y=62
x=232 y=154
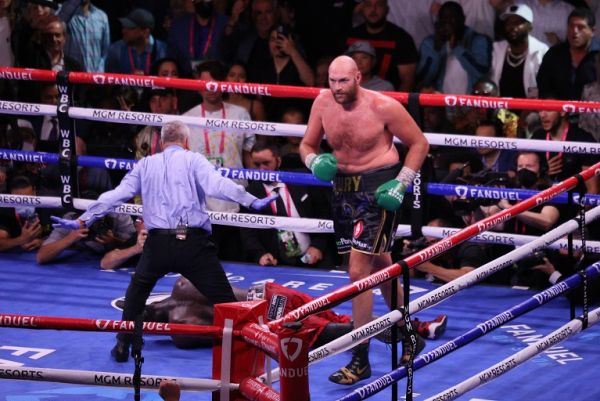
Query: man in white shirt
x=516 y=60
x=223 y=148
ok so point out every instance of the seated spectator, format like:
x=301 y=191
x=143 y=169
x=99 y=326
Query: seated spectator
x=138 y=50
x=169 y=67
x=254 y=107
x=322 y=72
x=574 y=58
x=553 y=270
x=516 y=60
x=26 y=32
x=89 y=37
x=50 y=53
x=466 y=119
x=104 y=235
x=396 y=51
x=147 y=141
x=290 y=151
x=479 y=15
x=196 y=37
x=47 y=54
x=455 y=56
x=363 y=53
x=95 y=179
x=223 y=148
x=542 y=218
x=493 y=158
x=128 y=253
x=272 y=247
x=286 y=66
x=536 y=221
x=556 y=127
x=23 y=226
x=250 y=44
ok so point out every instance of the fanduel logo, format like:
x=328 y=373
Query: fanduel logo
x=99 y=79
x=461 y=191
x=285 y=348
x=212 y=86
x=110 y=163
x=450 y=100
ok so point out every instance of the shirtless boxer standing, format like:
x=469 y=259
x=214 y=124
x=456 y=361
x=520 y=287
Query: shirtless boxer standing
x=369 y=182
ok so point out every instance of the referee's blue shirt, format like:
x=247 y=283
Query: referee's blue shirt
x=173 y=185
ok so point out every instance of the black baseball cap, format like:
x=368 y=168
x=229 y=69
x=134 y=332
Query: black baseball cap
x=138 y=18
x=46 y=3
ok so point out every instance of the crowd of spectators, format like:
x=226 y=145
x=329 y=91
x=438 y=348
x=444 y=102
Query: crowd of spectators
x=524 y=48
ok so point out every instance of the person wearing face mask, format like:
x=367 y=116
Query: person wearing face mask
x=196 y=37
x=541 y=218
x=530 y=175
x=21 y=226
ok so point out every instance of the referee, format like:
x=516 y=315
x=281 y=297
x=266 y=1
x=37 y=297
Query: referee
x=174 y=185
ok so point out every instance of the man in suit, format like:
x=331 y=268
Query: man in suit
x=272 y=247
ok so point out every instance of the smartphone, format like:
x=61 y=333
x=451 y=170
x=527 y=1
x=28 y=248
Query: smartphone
x=283 y=31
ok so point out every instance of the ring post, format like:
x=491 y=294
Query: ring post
x=244 y=360
x=293 y=362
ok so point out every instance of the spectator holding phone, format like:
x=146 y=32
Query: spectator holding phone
x=287 y=67
x=20 y=226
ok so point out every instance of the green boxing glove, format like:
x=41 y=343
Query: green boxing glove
x=390 y=194
x=323 y=166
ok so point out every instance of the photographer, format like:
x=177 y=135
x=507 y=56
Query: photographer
x=455 y=263
x=106 y=234
x=541 y=218
x=536 y=221
x=21 y=226
x=127 y=254
x=561 y=267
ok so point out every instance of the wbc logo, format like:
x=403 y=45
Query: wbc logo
x=289 y=343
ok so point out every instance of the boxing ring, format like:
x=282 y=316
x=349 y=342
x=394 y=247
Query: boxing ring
x=75 y=289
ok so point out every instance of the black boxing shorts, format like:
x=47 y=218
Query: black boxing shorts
x=358 y=221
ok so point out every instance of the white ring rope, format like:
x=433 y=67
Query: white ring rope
x=562 y=333
x=282 y=129
x=110 y=379
x=306 y=225
x=440 y=294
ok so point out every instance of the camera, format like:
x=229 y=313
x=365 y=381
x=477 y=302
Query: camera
x=484 y=178
x=414 y=246
x=534 y=259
